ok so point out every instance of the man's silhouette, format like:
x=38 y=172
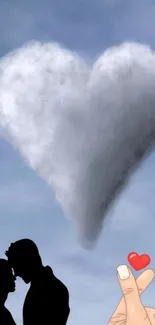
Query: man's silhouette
x=47 y=301
x=7 y=284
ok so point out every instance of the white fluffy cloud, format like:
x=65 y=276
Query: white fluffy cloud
x=82 y=128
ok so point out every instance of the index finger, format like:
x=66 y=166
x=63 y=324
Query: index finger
x=130 y=291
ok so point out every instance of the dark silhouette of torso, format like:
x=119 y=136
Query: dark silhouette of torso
x=6 y=317
x=47 y=301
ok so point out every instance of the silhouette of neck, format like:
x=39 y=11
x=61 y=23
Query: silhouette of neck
x=36 y=271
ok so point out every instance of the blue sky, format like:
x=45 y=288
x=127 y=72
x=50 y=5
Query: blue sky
x=27 y=208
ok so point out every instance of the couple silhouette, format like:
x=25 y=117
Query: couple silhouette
x=47 y=300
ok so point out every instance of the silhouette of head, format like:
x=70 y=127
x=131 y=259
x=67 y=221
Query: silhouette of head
x=24 y=258
x=7 y=280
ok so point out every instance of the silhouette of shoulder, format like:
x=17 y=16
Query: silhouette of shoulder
x=46 y=300
x=47 y=281
x=50 y=279
x=6 y=317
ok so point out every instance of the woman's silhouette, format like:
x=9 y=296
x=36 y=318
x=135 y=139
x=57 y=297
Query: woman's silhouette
x=7 y=284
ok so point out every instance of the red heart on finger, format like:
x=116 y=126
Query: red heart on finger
x=138 y=262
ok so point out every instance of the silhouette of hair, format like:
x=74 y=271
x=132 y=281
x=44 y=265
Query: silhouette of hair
x=4 y=266
x=6 y=276
x=4 y=270
x=23 y=250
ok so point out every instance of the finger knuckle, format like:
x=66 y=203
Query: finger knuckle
x=117 y=319
x=128 y=291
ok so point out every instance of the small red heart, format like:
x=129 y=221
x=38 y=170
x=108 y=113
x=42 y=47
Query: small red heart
x=138 y=262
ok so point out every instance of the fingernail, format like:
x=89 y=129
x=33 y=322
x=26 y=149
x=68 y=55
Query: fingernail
x=123 y=272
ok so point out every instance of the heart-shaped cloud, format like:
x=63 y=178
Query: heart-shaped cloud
x=82 y=128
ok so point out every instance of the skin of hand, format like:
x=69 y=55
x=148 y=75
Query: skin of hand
x=130 y=310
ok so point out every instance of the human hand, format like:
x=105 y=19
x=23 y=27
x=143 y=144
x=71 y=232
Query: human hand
x=130 y=310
